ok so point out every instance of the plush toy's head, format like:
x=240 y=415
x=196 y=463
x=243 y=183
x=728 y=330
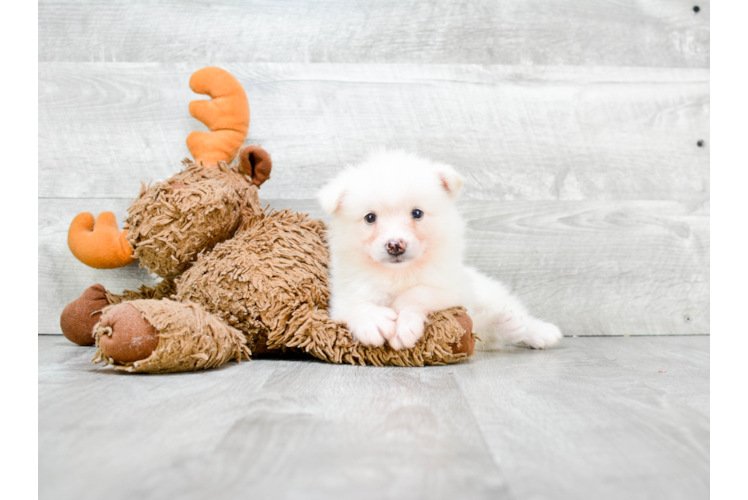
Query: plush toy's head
x=172 y=221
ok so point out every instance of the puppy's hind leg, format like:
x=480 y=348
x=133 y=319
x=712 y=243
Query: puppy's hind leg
x=501 y=319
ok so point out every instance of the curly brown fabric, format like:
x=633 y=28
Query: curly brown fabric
x=173 y=221
x=314 y=332
x=164 y=289
x=189 y=338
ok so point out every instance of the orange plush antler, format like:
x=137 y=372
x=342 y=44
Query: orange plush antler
x=99 y=244
x=226 y=115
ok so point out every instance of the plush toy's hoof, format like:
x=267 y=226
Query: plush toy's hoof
x=79 y=317
x=467 y=342
x=132 y=338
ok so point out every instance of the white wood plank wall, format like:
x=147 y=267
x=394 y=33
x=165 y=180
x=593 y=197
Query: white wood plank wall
x=575 y=122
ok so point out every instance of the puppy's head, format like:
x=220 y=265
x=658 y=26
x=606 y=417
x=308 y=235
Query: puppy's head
x=393 y=210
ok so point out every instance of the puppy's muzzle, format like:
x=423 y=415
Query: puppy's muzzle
x=396 y=247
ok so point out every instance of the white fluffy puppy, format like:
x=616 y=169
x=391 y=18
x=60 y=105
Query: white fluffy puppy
x=396 y=243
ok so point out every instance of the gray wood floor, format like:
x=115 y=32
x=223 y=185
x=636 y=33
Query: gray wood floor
x=594 y=418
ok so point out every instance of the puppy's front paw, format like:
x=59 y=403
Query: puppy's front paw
x=374 y=326
x=510 y=324
x=540 y=335
x=410 y=327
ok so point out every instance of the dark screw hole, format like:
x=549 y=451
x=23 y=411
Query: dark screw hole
x=687 y=319
x=696 y=9
x=700 y=144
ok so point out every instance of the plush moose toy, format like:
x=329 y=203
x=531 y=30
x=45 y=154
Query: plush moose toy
x=237 y=279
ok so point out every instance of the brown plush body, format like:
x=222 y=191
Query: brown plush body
x=237 y=279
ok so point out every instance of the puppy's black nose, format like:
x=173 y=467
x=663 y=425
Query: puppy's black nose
x=396 y=247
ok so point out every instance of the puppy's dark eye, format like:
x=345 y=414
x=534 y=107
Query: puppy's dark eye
x=370 y=218
x=416 y=214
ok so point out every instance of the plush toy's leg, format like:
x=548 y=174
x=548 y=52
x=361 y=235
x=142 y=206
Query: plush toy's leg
x=79 y=317
x=158 y=336
x=448 y=339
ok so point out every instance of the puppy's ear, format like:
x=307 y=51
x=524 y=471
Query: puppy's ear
x=450 y=180
x=331 y=195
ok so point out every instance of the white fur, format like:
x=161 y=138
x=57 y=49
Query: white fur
x=387 y=298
